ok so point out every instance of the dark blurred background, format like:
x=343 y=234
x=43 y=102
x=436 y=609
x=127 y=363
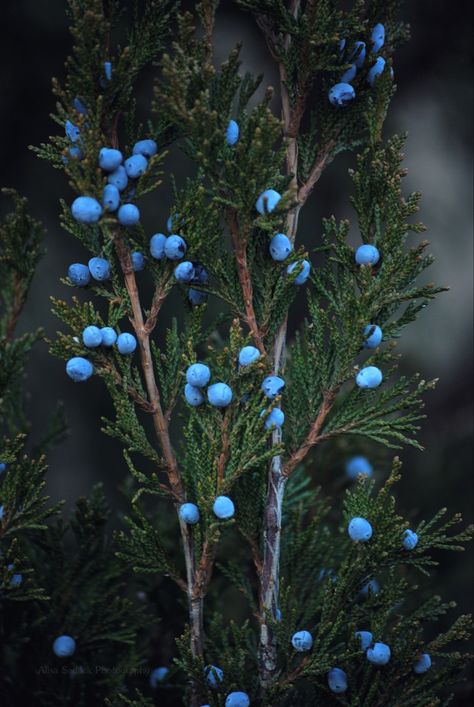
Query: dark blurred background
x=433 y=103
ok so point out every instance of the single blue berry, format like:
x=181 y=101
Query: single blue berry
x=108 y=70
x=273 y=386
x=232 y=133
x=280 y=247
x=118 y=178
x=175 y=247
x=92 y=337
x=377 y=37
x=376 y=70
x=359 y=530
x=189 y=513
x=184 y=272
x=157 y=246
x=79 y=106
x=64 y=646
x=110 y=159
x=75 y=152
x=85 y=209
x=410 y=539
x=367 y=255
x=72 y=131
x=196 y=298
x=358 y=465
x=173 y=222
x=237 y=699
x=3 y=467
x=370 y=588
x=109 y=336
x=111 y=197
x=157 y=675
x=374 y=336
x=423 y=664
x=219 y=395
x=248 y=355
x=337 y=680
x=379 y=654
x=128 y=215
x=198 y=374
x=349 y=75
x=79 y=274
x=223 y=507
x=358 y=54
x=135 y=166
x=126 y=343
x=369 y=377
x=17 y=579
x=214 y=675
x=304 y=267
x=302 y=641
x=148 y=148
x=138 y=261
x=365 y=639
x=341 y=94
x=275 y=419
x=79 y=369
x=99 y=269
x=267 y=201
x=193 y=395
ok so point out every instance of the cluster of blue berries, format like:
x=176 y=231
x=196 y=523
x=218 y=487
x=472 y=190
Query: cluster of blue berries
x=214 y=676
x=88 y=210
x=80 y=369
x=342 y=93
x=223 y=509
x=360 y=530
x=198 y=376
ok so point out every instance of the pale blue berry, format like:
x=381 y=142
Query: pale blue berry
x=248 y=355
x=376 y=70
x=126 y=343
x=377 y=37
x=358 y=465
x=410 y=540
x=135 y=166
x=79 y=274
x=273 y=386
x=172 y=222
x=219 y=395
x=198 y=374
x=118 y=178
x=358 y=54
x=79 y=369
x=232 y=133
x=341 y=94
x=138 y=261
x=359 y=530
x=99 y=269
x=237 y=699
x=148 y=148
x=302 y=641
x=365 y=639
x=193 y=395
x=304 y=267
x=109 y=336
x=75 y=152
x=223 y=507
x=369 y=377
x=111 y=197
x=108 y=70
x=337 y=680
x=214 y=675
x=184 y=272
x=110 y=159
x=267 y=201
x=367 y=255
x=379 y=654
x=128 y=215
x=92 y=337
x=275 y=419
x=189 y=513
x=72 y=131
x=423 y=664
x=280 y=247
x=86 y=209
x=64 y=646
x=175 y=247
x=196 y=298
x=157 y=675
x=157 y=246
x=374 y=336
x=349 y=75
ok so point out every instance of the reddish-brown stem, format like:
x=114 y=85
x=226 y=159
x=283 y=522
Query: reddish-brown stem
x=221 y=462
x=17 y=306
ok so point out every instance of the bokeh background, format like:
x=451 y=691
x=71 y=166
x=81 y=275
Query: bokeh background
x=433 y=103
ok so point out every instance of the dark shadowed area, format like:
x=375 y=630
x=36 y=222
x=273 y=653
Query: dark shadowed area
x=433 y=104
